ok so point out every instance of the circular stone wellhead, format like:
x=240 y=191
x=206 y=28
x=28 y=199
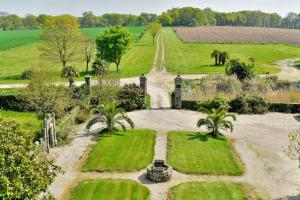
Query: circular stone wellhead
x=159 y=172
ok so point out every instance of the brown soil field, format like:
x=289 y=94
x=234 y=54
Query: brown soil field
x=227 y=34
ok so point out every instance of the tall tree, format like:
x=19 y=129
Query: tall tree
x=216 y=54
x=30 y=21
x=113 y=44
x=154 y=29
x=88 y=51
x=60 y=39
x=24 y=172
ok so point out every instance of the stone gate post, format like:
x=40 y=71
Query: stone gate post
x=87 y=79
x=177 y=97
x=143 y=85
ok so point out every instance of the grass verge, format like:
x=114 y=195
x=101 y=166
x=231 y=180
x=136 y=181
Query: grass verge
x=197 y=153
x=122 y=151
x=109 y=190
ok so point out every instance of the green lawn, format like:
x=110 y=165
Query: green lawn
x=188 y=58
x=197 y=153
x=15 y=38
x=29 y=121
x=122 y=151
x=209 y=191
x=109 y=190
x=14 y=61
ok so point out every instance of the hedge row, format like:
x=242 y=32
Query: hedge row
x=273 y=107
x=13 y=102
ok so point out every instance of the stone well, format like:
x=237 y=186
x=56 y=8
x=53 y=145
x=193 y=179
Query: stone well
x=159 y=171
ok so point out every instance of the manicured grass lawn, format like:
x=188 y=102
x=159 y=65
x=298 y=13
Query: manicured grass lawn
x=191 y=58
x=13 y=62
x=197 y=153
x=29 y=120
x=209 y=191
x=122 y=151
x=109 y=190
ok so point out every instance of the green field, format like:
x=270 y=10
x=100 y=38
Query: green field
x=28 y=120
x=15 y=60
x=188 y=58
x=109 y=190
x=197 y=153
x=15 y=38
x=209 y=191
x=122 y=151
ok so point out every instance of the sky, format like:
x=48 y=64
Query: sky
x=77 y=7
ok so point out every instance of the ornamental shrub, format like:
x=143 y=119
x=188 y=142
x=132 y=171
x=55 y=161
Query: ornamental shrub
x=131 y=97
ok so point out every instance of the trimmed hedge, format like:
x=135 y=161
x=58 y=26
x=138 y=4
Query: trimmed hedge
x=284 y=107
x=273 y=107
x=13 y=102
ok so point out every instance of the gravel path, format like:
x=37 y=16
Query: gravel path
x=260 y=141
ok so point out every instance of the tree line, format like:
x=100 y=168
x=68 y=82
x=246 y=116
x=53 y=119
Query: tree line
x=186 y=16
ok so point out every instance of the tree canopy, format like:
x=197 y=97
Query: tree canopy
x=113 y=44
x=60 y=39
x=154 y=29
x=24 y=172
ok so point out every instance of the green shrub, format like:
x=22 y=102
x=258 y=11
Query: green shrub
x=239 y=104
x=217 y=102
x=26 y=75
x=131 y=97
x=249 y=104
x=258 y=104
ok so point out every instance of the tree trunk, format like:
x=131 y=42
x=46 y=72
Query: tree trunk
x=216 y=60
x=153 y=37
x=87 y=68
x=118 y=63
x=71 y=82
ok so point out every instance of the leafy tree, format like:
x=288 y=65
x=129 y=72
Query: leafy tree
x=242 y=70
x=88 y=19
x=154 y=29
x=216 y=120
x=70 y=73
x=110 y=115
x=60 y=39
x=294 y=145
x=165 y=19
x=88 y=50
x=24 y=172
x=216 y=55
x=113 y=44
x=30 y=21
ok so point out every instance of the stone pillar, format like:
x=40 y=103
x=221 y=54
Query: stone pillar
x=143 y=85
x=87 y=79
x=177 y=97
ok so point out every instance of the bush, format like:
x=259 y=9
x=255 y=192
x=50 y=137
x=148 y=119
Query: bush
x=249 y=104
x=15 y=103
x=82 y=116
x=217 y=102
x=239 y=104
x=131 y=97
x=26 y=75
x=258 y=104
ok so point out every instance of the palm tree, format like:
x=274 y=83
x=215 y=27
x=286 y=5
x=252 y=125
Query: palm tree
x=224 y=56
x=216 y=120
x=70 y=73
x=216 y=54
x=110 y=115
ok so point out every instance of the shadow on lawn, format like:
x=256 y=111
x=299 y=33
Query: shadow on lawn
x=203 y=137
